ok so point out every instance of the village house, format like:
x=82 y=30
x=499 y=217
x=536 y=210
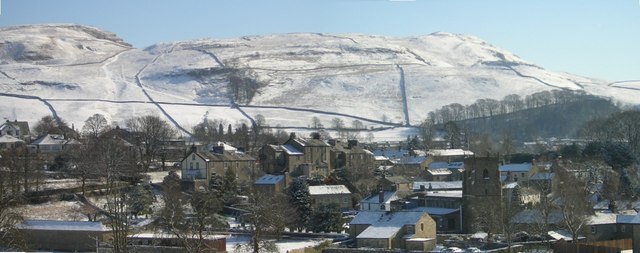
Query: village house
x=514 y=172
x=456 y=169
x=71 y=236
x=17 y=129
x=199 y=166
x=448 y=155
x=405 y=229
x=350 y=155
x=327 y=194
x=10 y=142
x=299 y=157
x=52 y=143
x=270 y=183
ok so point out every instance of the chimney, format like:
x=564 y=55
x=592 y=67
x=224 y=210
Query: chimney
x=381 y=196
x=193 y=149
x=422 y=187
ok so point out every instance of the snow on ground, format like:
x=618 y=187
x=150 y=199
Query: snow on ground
x=54 y=210
x=283 y=245
x=349 y=73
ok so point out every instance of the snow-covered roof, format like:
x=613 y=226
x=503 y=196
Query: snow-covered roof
x=449 y=152
x=50 y=139
x=601 y=218
x=328 y=189
x=511 y=185
x=521 y=167
x=269 y=179
x=383 y=224
x=446 y=194
x=374 y=198
x=438 y=185
x=167 y=235
x=291 y=150
x=562 y=235
x=63 y=225
x=439 y=172
x=380 y=158
x=9 y=139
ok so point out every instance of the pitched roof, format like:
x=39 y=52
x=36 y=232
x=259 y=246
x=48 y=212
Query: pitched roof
x=9 y=139
x=387 y=197
x=225 y=156
x=291 y=150
x=383 y=224
x=328 y=189
x=439 y=172
x=51 y=139
x=23 y=126
x=409 y=160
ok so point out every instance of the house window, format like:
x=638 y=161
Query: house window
x=411 y=229
x=191 y=165
x=485 y=174
x=193 y=157
x=197 y=166
x=593 y=229
x=623 y=228
x=421 y=226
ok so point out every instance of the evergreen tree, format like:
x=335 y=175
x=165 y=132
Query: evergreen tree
x=229 y=186
x=327 y=218
x=300 y=199
x=140 y=200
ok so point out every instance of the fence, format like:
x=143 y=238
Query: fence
x=614 y=246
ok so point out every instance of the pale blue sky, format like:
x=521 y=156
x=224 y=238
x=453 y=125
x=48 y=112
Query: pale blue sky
x=595 y=38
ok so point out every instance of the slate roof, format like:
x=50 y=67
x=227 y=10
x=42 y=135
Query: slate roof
x=436 y=210
x=446 y=165
x=522 y=167
x=63 y=225
x=269 y=179
x=328 y=190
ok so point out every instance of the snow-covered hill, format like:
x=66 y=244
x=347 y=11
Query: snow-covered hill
x=75 y=71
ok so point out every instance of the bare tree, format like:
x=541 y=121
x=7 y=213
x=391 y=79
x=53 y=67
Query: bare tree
x=571 y=195
x=269 y=214
x=150 y=133
x=95 y=126
x=316 y=123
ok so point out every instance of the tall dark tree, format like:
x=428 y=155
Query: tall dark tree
x=95 y=126
x=327 y=218
x=300 y=199
x=269 y=214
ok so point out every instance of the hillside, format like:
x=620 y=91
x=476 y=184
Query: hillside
x=75 y=71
